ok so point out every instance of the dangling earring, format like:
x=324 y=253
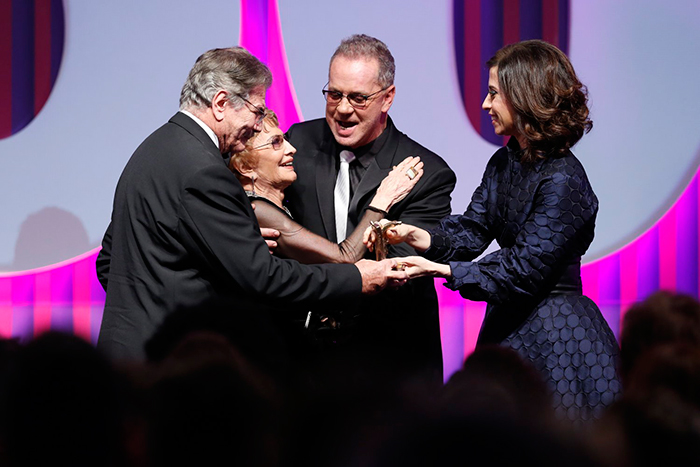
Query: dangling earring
x=252 y=179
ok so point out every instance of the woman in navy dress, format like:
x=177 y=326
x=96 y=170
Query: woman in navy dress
x=537 y=203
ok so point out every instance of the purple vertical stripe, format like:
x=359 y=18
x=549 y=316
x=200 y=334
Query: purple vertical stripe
x=96 y=312
x=255 y=14
x=23 y=306
x=459 y=42
x=62 y=317
x=42 y=53
x=530 y=19
x=22 y=64
x=564 y=26
x=451 y=328
x=473 y=65
x=609 y=291
x=57 y=37
x=23 y=322
x=97 y=293
x=648 y=263
x=5 y=69
x=686 y=240
x=491 y=41
x=62 y=299
x=97 y=300
x=264 y=20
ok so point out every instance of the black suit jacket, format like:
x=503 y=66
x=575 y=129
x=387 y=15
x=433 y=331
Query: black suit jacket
x=183 y=235
x=403 y=325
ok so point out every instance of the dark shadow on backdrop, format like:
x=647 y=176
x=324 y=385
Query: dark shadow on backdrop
x=49 y=236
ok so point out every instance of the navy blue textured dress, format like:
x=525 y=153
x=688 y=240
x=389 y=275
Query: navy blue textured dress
x=542 y=215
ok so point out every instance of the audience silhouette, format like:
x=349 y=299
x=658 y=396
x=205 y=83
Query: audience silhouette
x=201 y=398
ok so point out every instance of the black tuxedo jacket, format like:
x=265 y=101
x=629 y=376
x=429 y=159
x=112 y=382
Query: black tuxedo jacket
x=403 y=325
x=183 y=235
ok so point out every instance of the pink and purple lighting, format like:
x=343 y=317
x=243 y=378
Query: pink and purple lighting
x=67 y=296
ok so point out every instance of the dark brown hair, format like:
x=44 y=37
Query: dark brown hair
x=550 y=102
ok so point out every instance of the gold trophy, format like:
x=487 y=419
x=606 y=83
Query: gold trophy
x=381 y=245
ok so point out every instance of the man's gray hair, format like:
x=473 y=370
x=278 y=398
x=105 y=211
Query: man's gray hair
x=234 y=70
x=363 y=46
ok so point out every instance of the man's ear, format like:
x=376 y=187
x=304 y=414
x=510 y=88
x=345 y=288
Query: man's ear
x=388 y=98
x=219 y=103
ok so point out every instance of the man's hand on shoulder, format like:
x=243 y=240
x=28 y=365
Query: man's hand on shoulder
x=377 y=275
x=270 y=235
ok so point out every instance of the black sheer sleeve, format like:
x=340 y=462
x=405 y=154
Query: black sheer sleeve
x=298 y=243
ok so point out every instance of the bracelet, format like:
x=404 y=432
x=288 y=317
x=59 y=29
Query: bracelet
x=380 y=211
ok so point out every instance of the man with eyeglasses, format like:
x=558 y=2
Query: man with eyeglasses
x=399 y=328
x=183 y=235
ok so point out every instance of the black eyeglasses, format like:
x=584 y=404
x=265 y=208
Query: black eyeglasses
x=355 y=99
x=276 y=141
x=259 y=111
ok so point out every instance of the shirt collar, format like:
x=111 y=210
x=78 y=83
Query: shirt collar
x=365 y=154
x=204 y=126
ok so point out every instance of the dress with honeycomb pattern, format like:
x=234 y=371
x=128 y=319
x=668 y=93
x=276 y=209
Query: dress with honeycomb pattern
x=542 y=215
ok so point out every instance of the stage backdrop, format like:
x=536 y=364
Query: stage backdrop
x=83 y=83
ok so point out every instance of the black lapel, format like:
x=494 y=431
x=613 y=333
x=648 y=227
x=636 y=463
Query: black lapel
x=377 y=170
x=197 y=131
x=325 y=184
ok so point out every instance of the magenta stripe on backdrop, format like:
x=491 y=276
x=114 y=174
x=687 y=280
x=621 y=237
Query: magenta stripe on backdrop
x=5 y=308
x=628 y=277
x=267 y=43
x=687 y=240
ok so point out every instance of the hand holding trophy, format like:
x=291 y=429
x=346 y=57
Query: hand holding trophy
x=381 y=243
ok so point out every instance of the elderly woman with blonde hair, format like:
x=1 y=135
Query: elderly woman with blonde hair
x=265 y=169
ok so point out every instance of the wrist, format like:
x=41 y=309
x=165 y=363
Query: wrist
x=444 y=270
x=418 y=238
x=381 y=203
x=381 y=211
x=412 y=237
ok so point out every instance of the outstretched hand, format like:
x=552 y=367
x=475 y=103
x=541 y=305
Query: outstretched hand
x=417 y=266
x=395 y=234
x=377 y=275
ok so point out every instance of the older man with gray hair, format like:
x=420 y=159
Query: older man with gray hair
x=183 y=235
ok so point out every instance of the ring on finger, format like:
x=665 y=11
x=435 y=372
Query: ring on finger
x=411 y=173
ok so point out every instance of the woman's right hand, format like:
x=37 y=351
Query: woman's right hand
x=415 y=237
x=398 y=184
x=396 y=234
